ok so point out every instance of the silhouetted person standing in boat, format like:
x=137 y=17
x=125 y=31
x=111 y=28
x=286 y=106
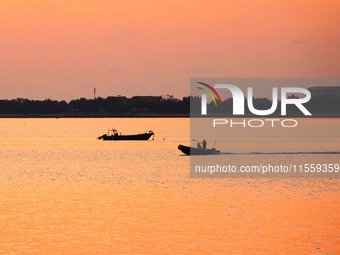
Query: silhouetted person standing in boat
x=204 y=143
x=199 y=145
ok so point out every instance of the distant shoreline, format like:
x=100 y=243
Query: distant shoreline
x=155 y=107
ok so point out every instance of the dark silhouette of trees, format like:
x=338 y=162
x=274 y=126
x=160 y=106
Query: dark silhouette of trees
x=147 y=105
x=318 y=106
x=99 y=106
x=25 y=106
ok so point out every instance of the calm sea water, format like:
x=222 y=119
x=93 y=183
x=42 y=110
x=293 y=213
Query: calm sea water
x=65 y=192
x=312 y=141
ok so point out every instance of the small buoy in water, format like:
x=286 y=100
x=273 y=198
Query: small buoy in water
x=163 y=139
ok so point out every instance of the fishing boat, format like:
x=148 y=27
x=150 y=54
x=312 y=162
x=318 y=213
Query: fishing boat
x=197 y=151
x=113 y=135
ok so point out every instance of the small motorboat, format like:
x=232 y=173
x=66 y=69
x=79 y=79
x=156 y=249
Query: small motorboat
x=197 y=151
x=112 y=135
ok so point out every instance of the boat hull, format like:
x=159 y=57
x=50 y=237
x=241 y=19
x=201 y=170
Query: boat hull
x=139 y=137
x=196 y=151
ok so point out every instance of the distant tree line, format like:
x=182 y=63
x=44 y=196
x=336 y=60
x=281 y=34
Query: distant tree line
x=110 y=105
x=317 y=106
x=146 y=105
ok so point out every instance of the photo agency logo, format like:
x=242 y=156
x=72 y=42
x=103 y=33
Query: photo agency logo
x=273 y=113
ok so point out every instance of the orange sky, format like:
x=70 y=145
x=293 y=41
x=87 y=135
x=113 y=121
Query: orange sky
x=62 y=49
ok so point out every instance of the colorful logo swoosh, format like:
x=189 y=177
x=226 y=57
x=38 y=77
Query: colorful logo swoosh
x=208 y=91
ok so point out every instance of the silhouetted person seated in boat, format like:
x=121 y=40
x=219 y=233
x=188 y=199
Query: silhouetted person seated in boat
x=204 y=143
x=199 y=146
